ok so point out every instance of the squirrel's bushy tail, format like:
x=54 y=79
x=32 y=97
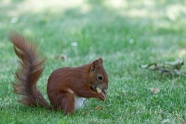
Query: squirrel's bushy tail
x=31 y=68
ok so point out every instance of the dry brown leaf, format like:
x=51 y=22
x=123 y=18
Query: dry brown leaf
x=99 y=108
x=61 y=57
x=154 y=90
x=166 y=67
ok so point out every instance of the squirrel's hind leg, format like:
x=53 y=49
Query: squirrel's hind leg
x=66 y=103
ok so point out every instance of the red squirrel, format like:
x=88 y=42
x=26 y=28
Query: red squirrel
x=67 y=87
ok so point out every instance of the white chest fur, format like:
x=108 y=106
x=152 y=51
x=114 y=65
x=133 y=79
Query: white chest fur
x=79 y=101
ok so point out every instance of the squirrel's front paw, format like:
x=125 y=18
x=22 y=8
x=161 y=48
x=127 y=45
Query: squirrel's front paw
x=101 y=96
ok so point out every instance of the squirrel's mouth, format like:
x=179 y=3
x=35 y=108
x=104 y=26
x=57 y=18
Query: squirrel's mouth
x=95 y=88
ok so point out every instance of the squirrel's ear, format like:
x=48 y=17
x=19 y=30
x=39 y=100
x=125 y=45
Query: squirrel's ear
x=100 y=60
x=94 y=65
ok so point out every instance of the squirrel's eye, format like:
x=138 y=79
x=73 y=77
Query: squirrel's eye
x=100 y=77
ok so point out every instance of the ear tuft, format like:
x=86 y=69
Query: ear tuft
x=95 y=64
x=100 y=60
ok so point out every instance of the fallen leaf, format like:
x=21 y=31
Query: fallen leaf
x=166 y=67
x=99 y=108
x=62 y=57
x=155 y=90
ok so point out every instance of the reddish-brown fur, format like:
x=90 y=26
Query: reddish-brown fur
x=63 y=83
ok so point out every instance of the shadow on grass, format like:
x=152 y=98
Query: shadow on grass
x=97 y=25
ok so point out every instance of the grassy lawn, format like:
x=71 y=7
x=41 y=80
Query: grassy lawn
x=125 y=33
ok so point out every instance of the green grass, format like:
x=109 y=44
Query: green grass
x=124 y=34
